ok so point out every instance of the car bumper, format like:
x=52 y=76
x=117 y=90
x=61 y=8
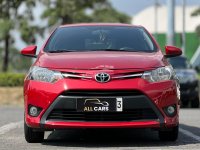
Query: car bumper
x=44 y=95
x=138 y=124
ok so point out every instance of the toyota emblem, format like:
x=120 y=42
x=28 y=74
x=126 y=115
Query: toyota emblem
x=102 y=77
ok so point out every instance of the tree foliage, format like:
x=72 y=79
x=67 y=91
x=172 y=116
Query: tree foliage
x=11 y=20
x=18 y=63
x=197 y=13
x=77 y=11
x=109 y=14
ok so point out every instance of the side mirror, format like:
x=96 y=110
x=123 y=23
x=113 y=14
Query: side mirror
x=29 y=51
x=172 y=51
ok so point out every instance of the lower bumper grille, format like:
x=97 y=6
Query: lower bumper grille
x=136 y=107
x=127 y=115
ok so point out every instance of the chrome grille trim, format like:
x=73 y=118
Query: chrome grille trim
x=66 y=75
x=128 y=76
x=69 y=75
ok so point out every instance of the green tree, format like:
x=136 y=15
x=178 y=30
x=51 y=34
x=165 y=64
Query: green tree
x=75 y=11
x=197 y=13
x=18 y=63
x=10 y=20
x=109 y=14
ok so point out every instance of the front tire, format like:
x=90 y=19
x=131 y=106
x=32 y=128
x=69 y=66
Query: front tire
x=169 y=135
x=32 y=136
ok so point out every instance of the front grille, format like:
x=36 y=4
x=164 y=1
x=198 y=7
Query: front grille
x=136 y=107
x=127 y=75
x=97 y=93
x=126 y=115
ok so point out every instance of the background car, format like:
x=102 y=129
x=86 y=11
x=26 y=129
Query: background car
x=189 y=83
x=119 y=65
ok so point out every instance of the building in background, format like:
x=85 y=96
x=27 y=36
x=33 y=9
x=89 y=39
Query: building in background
x=146 y=18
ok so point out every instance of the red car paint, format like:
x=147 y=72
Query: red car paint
x=43 y=94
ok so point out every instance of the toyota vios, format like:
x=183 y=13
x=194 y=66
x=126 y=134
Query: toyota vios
x=101 y=76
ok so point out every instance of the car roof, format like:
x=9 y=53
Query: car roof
x=99 y=24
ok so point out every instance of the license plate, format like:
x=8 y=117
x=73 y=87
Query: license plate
x=100 y=104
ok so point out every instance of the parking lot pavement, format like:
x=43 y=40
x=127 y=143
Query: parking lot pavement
x=11 y=135
x=10 y=114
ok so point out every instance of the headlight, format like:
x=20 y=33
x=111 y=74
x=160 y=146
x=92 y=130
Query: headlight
x=159 y=74
x=44 y=74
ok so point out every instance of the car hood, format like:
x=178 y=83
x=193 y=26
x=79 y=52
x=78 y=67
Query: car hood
x=100 y=60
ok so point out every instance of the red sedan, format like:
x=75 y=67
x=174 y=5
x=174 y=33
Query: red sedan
x=101 y=76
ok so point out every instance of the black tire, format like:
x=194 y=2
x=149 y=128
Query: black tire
x=33 y=136
x=195 y=103
x=169 y=135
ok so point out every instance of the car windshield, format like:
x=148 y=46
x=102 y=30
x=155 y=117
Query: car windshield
x=94 y=38
x=179 y=63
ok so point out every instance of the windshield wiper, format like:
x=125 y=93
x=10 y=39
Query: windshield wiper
x=109 y=49
x=62 y=50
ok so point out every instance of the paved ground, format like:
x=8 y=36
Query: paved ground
x=12 y=138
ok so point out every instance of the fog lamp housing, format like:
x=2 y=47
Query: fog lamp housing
x=34 y=111
x=170 y=111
